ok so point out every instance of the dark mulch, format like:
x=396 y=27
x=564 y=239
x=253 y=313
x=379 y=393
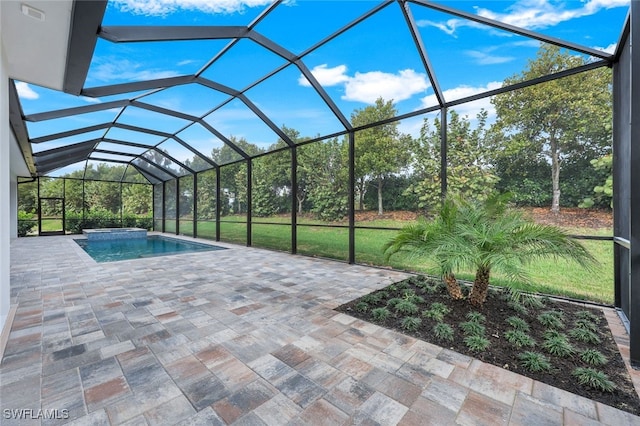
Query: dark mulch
x=502 y=353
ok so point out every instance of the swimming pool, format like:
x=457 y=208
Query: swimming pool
x=153 y=245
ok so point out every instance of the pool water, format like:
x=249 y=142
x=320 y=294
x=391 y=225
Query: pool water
x=153 y=245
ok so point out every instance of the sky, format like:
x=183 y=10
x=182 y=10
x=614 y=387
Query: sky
x=376 y=58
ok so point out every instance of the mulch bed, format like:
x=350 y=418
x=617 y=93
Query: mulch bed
x=501 y=352
x=567 y=217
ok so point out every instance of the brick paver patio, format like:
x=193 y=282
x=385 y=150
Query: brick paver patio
x=241 y=336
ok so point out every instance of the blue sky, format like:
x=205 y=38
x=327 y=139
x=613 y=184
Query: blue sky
x=377 y=58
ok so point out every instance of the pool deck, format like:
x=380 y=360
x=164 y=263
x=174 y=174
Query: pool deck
x=246 y=337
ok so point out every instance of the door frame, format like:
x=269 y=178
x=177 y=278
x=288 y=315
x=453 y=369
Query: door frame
x=45 y=233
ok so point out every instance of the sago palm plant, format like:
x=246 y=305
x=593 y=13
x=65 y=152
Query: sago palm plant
x=488 y=236
x=434 y=240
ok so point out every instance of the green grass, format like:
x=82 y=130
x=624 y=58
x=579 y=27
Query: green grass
x=548 y=276
x=50 y=225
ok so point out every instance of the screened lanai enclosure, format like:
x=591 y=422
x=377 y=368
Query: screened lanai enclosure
x=290 y=128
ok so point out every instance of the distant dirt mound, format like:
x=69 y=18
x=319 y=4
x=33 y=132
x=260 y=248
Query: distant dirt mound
x=401 y=215
x=572 y=217
x=568 y=217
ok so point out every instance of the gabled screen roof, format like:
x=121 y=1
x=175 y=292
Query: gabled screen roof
x=170 y=83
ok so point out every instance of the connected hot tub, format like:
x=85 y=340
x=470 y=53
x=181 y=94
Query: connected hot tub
x=103 y=234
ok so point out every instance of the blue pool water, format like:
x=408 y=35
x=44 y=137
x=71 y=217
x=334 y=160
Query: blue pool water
x=154 y=245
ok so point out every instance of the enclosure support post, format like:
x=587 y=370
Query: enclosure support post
x=352 y=193
x=294 y=199
x=121 y=209
x=164 y=205
x=83 y=200
x=249 y=197
x=443 y=152
x=40 y=209
x=218 y=203
x=195 y=205
x=153 y=207
x=177 y=195
x=634 y=158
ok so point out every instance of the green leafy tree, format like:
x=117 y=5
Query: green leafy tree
x=325 y=169
x=470 y=171
x=207 y=195
x=233 y=177
x=272 y=178
x=137 y=199
x=381 y=151
x=559 y=118
x=602 y=166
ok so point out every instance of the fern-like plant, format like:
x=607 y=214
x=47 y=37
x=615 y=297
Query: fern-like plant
x=391 y=303
x=362 y=307
x=476 y=343
x=593 y=379
x=443 y=331
x=372 y=298
x=434 y=315
x=476 y=317
x=519 y=338
x=411 y=296
x=551 y=319
x=472 y=328
x=518 y=324
x=517 y=307
x=440 y=307
x=586 y=324
x=558 y=346
x=532 y=302
x=411 y=323
x=380 y=314
x=405 y=307
x=589 y=316
x=534 y=362
x=584 y=335
x=593 y=357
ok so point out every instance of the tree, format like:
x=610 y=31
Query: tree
x=488 y=236
x=326 y=175
x=380 y=151
x=470 y=171
x=432 y=240
x=559 y=118
x=233 y=177
x=603 y=167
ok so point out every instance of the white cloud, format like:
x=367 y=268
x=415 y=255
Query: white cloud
x=326 y=76
x=185 y=62
x=470 y=109
x=609 y=49
x=167 y=7
x=369 y=86
x=484 y=58
x=109 y=69
x=90 y=100
x=25 y=91
x=536 y=14
x=530 y=14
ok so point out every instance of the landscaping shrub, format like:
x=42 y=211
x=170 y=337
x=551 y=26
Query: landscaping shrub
x=25 y=223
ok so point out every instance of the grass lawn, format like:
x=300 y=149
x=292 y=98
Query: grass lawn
x=548 y=276
x=49 y=225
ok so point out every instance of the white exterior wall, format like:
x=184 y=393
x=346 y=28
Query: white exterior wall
x=7 y=225
x=13 y=206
